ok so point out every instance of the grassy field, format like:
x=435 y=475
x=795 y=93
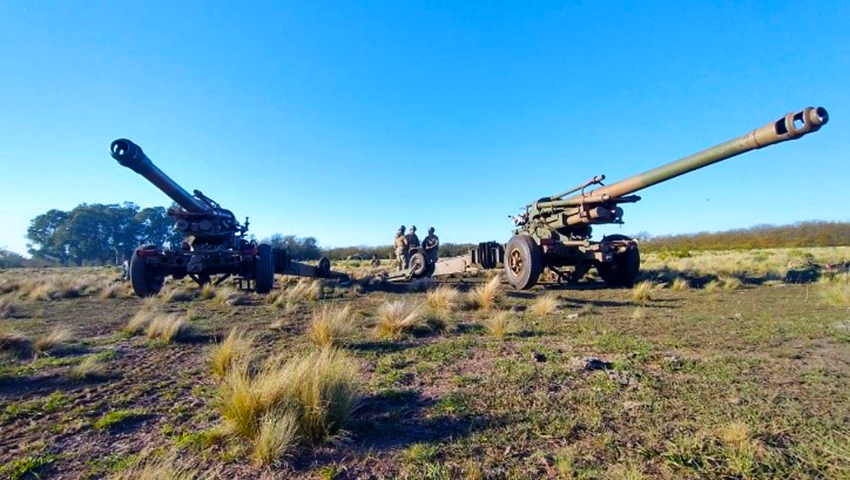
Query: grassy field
x=710 y=368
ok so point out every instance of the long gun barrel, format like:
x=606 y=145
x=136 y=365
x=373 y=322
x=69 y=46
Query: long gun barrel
x=790 y=127
x=130 y=155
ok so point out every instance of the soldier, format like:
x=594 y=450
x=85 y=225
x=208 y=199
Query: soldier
x=431 y=245
x=412 y=239
x=400 y=244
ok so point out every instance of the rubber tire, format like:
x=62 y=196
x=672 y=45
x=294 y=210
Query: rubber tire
x=531 y=261
x=264 y=269
x=418 y=265
x=624 y=270
x=324 y=267
x=144 y=279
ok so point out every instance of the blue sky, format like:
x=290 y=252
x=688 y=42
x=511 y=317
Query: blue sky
x=342 y=120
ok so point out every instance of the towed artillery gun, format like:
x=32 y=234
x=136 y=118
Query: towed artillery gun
x=554 y=232
x=214 y=244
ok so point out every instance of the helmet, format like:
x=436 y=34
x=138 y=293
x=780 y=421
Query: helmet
x=401 y=228
x=431 y=230
x=413 y=228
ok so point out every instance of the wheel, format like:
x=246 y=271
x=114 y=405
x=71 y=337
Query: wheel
x=417 y=264
x=144 y=278
x=624 y=269
x=264 y=269
x=324 y=267
x=523 y=264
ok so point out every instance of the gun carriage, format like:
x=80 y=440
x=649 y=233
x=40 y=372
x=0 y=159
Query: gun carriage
x=215 y=246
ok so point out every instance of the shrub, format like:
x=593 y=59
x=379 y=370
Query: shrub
x=484 y=297
x=545 y=304
x=331 y=326
x=235 y=347
x=500 y=325
x=167 y=328
x=396 y=317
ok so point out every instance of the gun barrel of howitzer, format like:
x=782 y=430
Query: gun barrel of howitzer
x=130 y=155
x=790 y=127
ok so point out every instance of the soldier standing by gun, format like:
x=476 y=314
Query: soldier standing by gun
x=431 y=245
x=412 y=242
x=412 y=239
x=400 y=244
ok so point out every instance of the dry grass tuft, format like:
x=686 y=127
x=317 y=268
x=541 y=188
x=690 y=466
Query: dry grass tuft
x=484 y=297
x=167 y=328
x=138 y=322
x=111 y=291
x=14 y=341
x=51 y=289
x=53 y=341
x=680 y=284
x=318 y=392
x=231 y=297
x=642 y=292
x=332 y=326
x=836 y=293
x=396 y=317
x=315 y=291
x=730 y=283
x=235 y=347
x=546 y=304
x=443 y=298
x=500 y=325
x=91 y=367
x=178 y=295
x=8 y=307
x=169 y=467
x=735 y=433
x=713 y=286
x=208 y=292
x=277 y=434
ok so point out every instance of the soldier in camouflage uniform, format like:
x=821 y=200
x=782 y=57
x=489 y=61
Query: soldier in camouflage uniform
x=431 y=245
x=400 y=244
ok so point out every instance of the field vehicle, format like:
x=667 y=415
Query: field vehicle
x=214 y=245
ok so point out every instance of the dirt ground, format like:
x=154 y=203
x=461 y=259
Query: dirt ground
x=746 y=382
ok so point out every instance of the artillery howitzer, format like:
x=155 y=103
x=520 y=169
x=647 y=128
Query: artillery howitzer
x=214 y=241
x=554 y=232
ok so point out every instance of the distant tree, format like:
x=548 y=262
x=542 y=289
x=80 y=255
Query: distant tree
x=306 y=248
x=97 y=233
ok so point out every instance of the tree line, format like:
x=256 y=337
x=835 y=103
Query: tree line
x=108 y=234
x=797 y=235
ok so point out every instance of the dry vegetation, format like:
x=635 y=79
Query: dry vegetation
x=727 y=372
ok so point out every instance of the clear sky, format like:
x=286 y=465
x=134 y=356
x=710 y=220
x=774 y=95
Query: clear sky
x=342 y=120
